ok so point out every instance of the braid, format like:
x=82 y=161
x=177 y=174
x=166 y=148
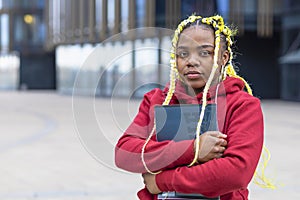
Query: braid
x=218 y=26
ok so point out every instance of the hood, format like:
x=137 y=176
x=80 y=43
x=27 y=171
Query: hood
x=228 y=86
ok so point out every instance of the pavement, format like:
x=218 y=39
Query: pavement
x=59 y=147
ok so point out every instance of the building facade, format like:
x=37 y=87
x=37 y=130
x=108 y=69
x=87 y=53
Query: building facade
x=290 y=51
x=109 y=47
x=23 y=33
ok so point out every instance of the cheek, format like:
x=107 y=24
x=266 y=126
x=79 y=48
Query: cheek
x=180 y=65
x=208 y=67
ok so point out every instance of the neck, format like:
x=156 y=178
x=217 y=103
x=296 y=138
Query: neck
x=191 y=91
x=195 y=91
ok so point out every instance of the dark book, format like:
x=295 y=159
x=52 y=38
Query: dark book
x=180 y=196
x=179 y=122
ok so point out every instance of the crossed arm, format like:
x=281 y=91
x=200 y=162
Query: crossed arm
x=218 y=171
x=212 y=145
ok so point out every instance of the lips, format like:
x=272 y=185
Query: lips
x=193 y=74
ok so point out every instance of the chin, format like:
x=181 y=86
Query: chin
x=196 y=85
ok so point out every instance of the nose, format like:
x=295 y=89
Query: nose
x=193 y=60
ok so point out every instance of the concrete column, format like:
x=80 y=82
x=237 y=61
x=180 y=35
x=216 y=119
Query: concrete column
x=104 y=20
x=117 y=27
x=92 y=20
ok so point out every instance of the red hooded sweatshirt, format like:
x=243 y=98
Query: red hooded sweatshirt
x=239 y=117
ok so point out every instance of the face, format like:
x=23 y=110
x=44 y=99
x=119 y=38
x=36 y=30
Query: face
x=195 y=55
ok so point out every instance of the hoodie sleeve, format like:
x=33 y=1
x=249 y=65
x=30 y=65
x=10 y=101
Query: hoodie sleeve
x=235 y=169
x=158 y=155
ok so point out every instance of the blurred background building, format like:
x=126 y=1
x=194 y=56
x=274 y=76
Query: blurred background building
x=23 y=34
x=45 y=43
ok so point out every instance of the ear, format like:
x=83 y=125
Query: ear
x=225 y=57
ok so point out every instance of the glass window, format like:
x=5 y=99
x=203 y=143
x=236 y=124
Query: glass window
x=291 y=4
x=28 y=30
x=165 y=59
x=98 y=11
x=85 y=12
x=71 y=60
x=160 y=12
x=5 y=3
x=106 y=69
x=41 y=3
x=278 y=6
x=187 y=7
x=121 y=72
x=55 y=20
x=124 y=15
x=250 y=7
x=110 y=15
x=140 y=13
x=4 y=28
x=223 y=8
x=203 y=7
x=146 y=66
x=9 y=67
x=63 y=15
x=26 y=3
x=67 y=25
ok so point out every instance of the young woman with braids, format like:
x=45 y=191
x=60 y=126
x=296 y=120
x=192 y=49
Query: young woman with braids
x=217 y=163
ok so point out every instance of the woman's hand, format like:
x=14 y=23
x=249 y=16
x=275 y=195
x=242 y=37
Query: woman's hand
x=149 y=181
x=212 y=145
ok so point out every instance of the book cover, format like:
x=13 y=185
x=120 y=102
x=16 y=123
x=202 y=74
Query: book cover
x=179 y=122
x=177 y=196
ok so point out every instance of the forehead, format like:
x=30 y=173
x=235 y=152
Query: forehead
x=196 y=35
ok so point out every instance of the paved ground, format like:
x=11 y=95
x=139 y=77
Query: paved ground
x=53 y=147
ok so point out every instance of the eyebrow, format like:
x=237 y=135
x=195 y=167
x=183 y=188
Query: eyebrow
x=198 y=47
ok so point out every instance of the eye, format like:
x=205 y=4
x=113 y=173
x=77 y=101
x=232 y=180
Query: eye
x=205 y=53
x=182 y=54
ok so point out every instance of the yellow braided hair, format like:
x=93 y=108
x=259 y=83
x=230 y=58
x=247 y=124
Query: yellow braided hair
x=217 y=23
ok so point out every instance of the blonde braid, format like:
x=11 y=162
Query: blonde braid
x=218 y=27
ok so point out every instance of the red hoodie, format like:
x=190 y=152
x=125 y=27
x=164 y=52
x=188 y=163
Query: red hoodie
x=239 y=117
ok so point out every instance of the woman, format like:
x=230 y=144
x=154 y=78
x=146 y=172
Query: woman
x=216 y=163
